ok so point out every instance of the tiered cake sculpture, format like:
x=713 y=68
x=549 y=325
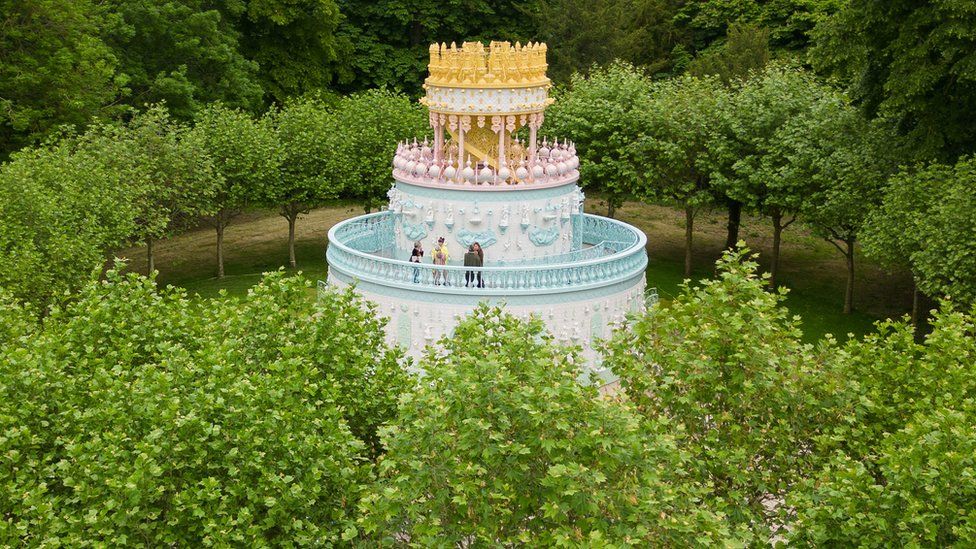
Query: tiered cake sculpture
x=487 y=177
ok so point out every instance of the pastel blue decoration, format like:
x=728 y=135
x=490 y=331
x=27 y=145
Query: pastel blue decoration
x=430 y=223
x=502 y=227
x=467 y=238
x=414 y=231
x=403 y=331
x=449 y=224
x=612 y=258
x=543 y=237
x=596 y=326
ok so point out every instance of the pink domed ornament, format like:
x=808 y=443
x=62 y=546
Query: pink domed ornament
x=485 y=175
x=468 y=172
x=434 y=171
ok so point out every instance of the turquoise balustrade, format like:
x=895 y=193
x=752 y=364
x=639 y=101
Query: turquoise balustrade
x=357 y=248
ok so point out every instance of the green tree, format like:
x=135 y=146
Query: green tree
x=303 y=128
x=600 y=111
x=185 y=53
x=247 y=156
x=725 y=363
x=62 y=207
x=757 y=163
x=745 y=50
x=292 y=42
x=791 y=22
x=847 y=165
x=914 y=62
x=683 y=118
x=637 y=32
x=902 y=462
x=171 y=178
x=368 y=126
x=892 y=232
x=385 y=42
x=502 y=445
x=195 y=422
x=55 y=68
x=946 y=262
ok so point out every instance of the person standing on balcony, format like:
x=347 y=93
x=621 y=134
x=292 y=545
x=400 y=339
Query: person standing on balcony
x=415 y=257
x=481 y=262
x=471 y=259
x=440 y=256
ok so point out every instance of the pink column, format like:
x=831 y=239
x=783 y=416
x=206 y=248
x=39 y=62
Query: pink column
x=439 y=139
x=533 y=128
x=464 y=126
x=498 y=126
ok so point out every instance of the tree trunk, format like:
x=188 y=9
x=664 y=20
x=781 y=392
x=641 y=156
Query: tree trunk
x=150 y=258
x=735 y=219
x=689 y=237
x=611 y=208
x=220 y=246
x=777 y=239
x=849 y=294
x=915 y=303
x=292 y=217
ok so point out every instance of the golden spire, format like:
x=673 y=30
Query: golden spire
x=500 y=65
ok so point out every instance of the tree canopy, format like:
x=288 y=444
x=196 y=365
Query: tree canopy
x=501 y=444
x=228 y=421
x=912 y=61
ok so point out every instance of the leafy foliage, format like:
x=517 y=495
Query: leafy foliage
x=790 y=22
x=903 y=456
x=745 y=50
x=372 y=123
x=247 y=155
x=61 y=207
x=914 y=62
x=293 y=43
x=185 y=53
x=848 y=168
x=228 y=422
x=682 y=119
x=500 y=444
x=640 y=33
x=55 y=68
x=171 y=179
x=725 y=363
x=387 y=41
x=945 y=263
x=601 y=113
x=302 y=127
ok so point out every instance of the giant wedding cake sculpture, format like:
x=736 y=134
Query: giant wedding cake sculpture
x=488 y=176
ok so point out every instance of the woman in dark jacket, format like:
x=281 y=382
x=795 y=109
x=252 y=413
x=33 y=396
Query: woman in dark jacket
x=415 y=257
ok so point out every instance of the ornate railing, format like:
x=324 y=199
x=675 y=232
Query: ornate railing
x=350 y=242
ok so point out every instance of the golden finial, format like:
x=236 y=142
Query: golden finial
x=498 y=65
